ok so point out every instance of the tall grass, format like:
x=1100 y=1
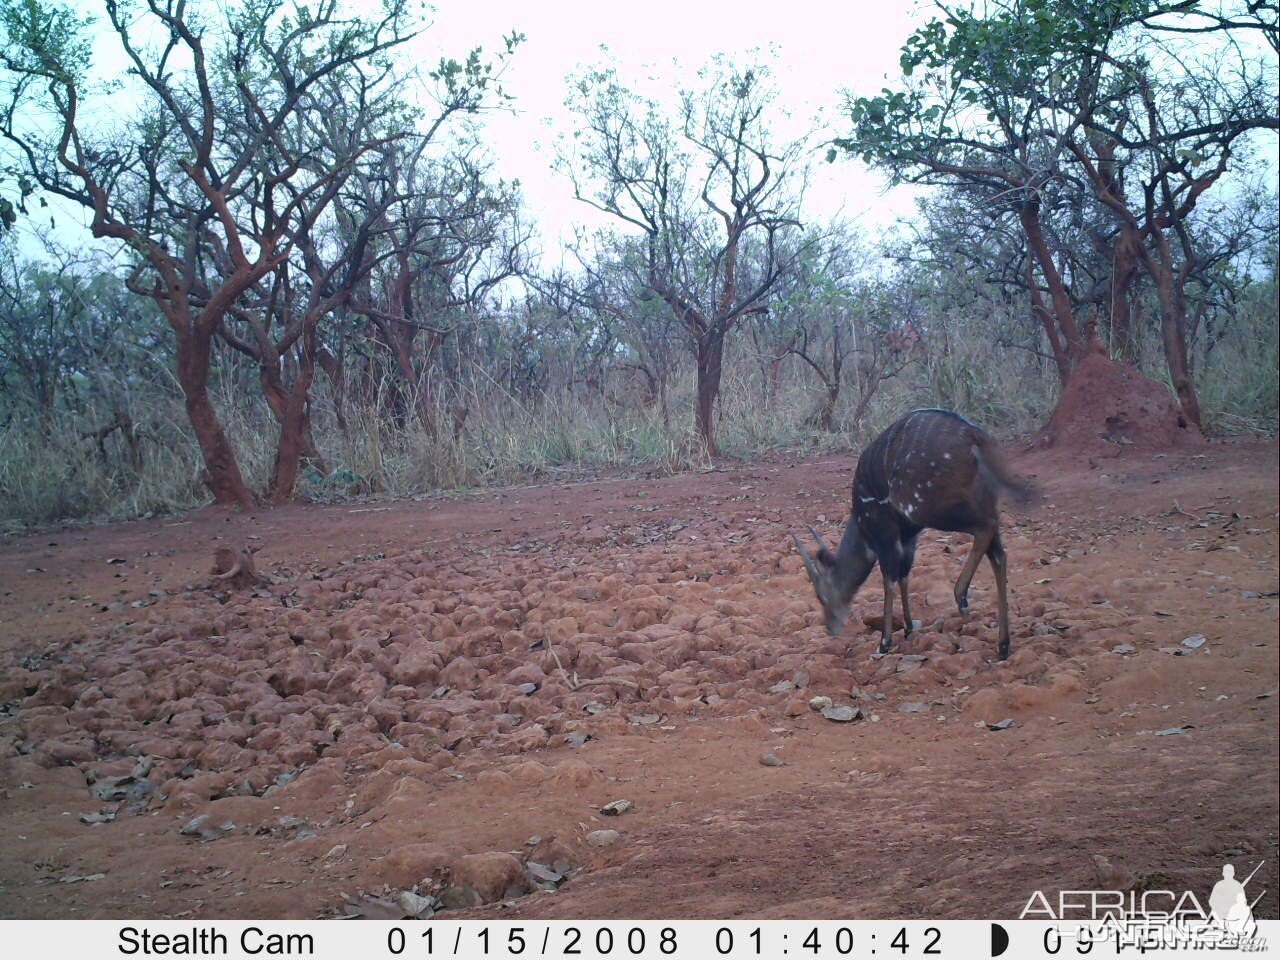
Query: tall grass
x=1239 y=380
x=50 y=471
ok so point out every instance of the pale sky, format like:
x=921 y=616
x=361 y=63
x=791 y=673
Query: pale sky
x=819 y=49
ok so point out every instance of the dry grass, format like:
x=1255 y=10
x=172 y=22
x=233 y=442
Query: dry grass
x=49 y=472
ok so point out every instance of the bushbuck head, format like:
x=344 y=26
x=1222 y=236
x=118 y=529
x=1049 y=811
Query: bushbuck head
x=837 y=576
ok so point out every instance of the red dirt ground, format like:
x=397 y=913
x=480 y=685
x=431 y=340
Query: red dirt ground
x=687 y=587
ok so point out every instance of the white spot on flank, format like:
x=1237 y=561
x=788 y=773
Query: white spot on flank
x=946 y=456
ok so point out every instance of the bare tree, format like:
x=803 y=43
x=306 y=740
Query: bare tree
x=709 y=195
x=447 y=234
x=841 y=316
x=1150 y=156
x=209 y=186
x=1091 y=99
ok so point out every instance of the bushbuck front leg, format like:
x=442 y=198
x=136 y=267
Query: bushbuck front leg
x=906 y=607
x=981 y=543
x=887 y=629
x=995 y=553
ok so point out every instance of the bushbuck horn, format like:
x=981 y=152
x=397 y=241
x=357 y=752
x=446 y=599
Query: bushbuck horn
x=805 y=559
x=817 y=536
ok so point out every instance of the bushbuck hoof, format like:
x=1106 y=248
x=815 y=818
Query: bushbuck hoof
x=1002 y=652
x=885 y=644
x=962 y=601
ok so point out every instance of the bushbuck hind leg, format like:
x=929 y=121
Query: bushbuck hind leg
x=981 y=543
x=887 y=630
x=995 y=553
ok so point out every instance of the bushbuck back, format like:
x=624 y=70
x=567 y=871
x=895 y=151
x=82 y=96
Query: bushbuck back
x=931 y=469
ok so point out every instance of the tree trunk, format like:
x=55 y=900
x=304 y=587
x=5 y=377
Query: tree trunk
x=279 y=399
x=710 y=357
x=664 y=404
x=221 y=470
x=401 y=346
x=1059 y=323
x=827 y=418
x=334 y=369
x=294 y=425
x=1173 y=333
x=1124 y=272
x=773 y=373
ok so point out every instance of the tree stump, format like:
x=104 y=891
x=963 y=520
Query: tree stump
x=235 y=568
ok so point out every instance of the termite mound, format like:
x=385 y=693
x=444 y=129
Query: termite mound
x=1106 y=406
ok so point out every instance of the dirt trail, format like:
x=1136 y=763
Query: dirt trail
x=392 y=708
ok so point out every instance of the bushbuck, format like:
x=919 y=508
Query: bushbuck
x=931 y=469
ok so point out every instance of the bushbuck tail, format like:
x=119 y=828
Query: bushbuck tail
x=932 y=469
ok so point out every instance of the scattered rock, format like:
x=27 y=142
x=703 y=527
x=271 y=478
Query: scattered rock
x=372 y=908
x=201 y=828
x=782 y=686
x=615 y=808
x=1124 y=649
x=540 y=871
x=643 y=719
x=770 y=759
x=542 y=876
x=1004 y=724
x=81 y=877
x=128 y=789
x=1195 y=641
x=576 y=738
x=818 y=704
x=603 y=838
x=1174 y=731
x=416 y=906
x=841 y=713
x=913 y=706
x=910 y=661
